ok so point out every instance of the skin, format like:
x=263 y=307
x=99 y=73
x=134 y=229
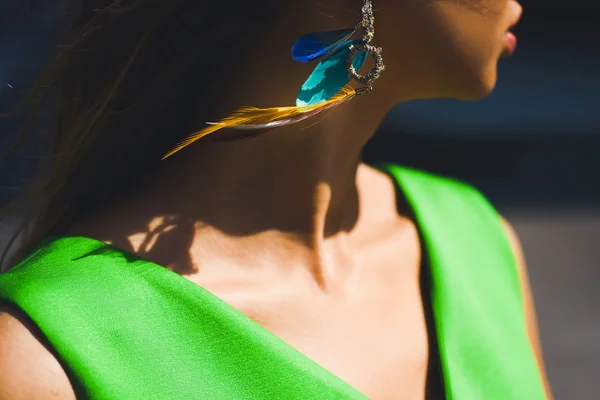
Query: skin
x=297 y=233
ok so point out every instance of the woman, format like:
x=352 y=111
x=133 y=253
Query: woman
x=278 y=267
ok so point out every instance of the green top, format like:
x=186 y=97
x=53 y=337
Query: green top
x=126 y=328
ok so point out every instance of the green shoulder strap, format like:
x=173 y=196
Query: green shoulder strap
x=127 y=329
x=476 y=293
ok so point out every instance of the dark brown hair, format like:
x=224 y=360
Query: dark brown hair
x=129 y=83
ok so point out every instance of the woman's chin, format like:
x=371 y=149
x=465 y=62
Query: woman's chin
x=471 y=86
x=479 y=87
x=480 y=94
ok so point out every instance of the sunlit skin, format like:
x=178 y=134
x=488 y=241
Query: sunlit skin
x=291 y=228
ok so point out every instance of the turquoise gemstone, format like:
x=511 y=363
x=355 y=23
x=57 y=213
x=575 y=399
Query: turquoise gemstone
x=329 y=77
x=314 y=45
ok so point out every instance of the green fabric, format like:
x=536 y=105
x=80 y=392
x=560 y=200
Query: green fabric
x=126 y=328
x=476 y=295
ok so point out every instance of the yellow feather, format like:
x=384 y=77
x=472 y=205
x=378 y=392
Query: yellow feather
x=259 y=116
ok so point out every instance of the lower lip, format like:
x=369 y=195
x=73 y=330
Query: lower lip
x=510 y=41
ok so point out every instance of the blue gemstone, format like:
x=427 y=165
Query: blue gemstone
x=329 y=76
x=317 y=44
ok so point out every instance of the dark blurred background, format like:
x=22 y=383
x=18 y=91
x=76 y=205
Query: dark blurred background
x=531 y=147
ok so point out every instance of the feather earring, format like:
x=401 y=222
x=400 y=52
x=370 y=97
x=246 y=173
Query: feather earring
x=326 y=88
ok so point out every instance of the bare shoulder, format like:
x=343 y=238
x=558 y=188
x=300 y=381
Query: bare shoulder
x=528 y=303
x=28 y=369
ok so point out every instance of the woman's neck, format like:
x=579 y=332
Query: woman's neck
x=298 y=184
x=301 y=178
x=287 y=197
